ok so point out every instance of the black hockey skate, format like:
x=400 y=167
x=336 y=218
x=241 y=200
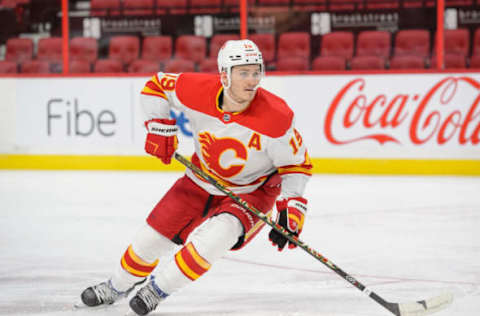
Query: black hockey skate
x=147 y=298
x=104 y=293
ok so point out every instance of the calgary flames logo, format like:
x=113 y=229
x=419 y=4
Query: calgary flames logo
x=213 y=148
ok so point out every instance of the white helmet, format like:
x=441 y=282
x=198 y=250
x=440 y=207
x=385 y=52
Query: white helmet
x=236 y=53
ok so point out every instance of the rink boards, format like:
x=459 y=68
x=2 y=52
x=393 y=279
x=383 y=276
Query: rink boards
x=426 y=123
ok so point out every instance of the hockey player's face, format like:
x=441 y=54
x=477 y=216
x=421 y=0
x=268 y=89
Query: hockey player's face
x=244 y=82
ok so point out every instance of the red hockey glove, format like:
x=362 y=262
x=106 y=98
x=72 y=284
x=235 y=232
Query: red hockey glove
x=291 y=215
x=161 y=139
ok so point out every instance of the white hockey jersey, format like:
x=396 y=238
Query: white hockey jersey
x=238 y=149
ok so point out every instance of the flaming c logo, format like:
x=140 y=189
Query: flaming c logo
x=213 y=148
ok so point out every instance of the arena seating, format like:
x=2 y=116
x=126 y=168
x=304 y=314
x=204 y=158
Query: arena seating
x=12 y=4
x=138 y=7
x=208 y=65
x=218 y=40
x=382 y=4
x=35 y=67
x=79 y=66
x=8 y=67
x=374 y=43
x=412 y=42
x=179 y=65
x=50 y=49
x=475 y=62
x=108 y=66
x=329 y=63
x=292 y=51
x=205 y=6
x=476 y=42
x=19 y=49
x=294 y=44
x=407 y=62
x=191 y=47
x=105 y=7
x=266 y=44
x=144 y=66
x=367 y=62
x=338 y=44
x=292 y=63
x=456 y=42
x=234 y=6
x=456 y=61
x=124 y=48
x=345 y=5
x=158 y=48
x=310 y=5
x=84 y=48
x=171 y=6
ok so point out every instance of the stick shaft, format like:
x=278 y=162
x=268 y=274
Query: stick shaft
x=389 y=306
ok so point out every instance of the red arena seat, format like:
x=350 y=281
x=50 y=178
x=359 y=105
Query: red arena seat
x=157 y=48
x=451 y=61
x=374 y=43
x=171 y=6
x=138 y=7
x=80 y=66
x=144 y=66
x=205 y=6
x=338 y=44
x=178 y=65
x=457 y=42
x=218 y=40
x=294 y=44
x=104 y=7
x=124 y=48
x=50 y=49
x=382 y=4
x=329 y=63
x=191 y=47
x=8 y=67
x=345 y=5
x=458 y=3
x=294 y=63
x=19 y=49
x=274 y=2
x=234 y=5
x=412 y=42
x=475 y=62
x=410 y=4
x=310 y=5
x=266 y=44
x=84 y=48
x=35 y=67
x=12 y=4
x=208 y=65
x=367 y=62
x=476 y=42
x=108 y=66
x=407 y=62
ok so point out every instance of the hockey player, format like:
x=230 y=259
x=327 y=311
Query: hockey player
x=245 y=138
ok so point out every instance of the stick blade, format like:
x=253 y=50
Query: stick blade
x=426 y=307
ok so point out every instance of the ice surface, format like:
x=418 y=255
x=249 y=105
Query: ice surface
x=406 y=238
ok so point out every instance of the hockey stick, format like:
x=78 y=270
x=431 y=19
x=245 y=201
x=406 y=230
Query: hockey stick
x=418 y=308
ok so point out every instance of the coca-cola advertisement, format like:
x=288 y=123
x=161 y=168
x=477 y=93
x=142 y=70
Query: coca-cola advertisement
x=397 y=116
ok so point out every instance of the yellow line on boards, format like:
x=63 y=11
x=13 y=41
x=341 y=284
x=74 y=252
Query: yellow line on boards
x=321 y=165
x=78 y=162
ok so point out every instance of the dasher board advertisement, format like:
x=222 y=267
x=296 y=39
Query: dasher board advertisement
x=397 y=116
